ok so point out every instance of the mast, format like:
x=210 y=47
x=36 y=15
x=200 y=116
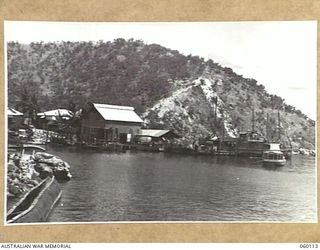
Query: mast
x=267 y=127
x=221 y=140
x=279 y=128
x=215 y=113
x=252 y=119
x=223 y=126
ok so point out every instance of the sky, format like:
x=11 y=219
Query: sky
x=281 y=55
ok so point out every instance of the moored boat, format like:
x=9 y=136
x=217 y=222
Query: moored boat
x=37 y=204
x=250 y=143
x=37 y=141
x=272 y=155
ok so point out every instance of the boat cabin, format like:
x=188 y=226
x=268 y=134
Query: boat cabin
x=272 y=146
x=273 y=155
x=250 y=143
x=251 y=136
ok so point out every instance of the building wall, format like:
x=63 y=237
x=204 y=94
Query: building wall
x=92 y=120
x=125 y=128
x=95 y=129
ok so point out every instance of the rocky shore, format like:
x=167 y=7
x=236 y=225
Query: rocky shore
x=25 y=171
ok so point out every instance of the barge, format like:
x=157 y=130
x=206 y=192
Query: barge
x=37 y=204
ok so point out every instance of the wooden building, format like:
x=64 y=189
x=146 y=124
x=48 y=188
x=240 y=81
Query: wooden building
x=53 y=119
x=157 y=134
x=15 y=119
x=56 y=114
x=154 y=139
x=103 y=123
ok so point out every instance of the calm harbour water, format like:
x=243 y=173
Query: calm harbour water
x=145 y=186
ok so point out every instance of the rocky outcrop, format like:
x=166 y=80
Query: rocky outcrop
x=50 y=165
x=27 y=171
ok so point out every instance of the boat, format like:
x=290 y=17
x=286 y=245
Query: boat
x=250 y=143
x=26 y=148
x=37 y=141
x=273 y=156
x=37 y=204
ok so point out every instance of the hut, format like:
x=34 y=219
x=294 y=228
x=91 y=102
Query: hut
x=155 y=136
x=56 y=114
x=103 y=123
x=155 y=139
x=158 y=134
x=15 y=119
x=53 y=119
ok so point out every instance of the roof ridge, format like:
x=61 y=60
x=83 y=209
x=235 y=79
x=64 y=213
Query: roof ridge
x=111 y=106
x=117 y=113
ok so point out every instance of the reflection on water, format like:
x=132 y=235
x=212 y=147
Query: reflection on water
x=162 y=187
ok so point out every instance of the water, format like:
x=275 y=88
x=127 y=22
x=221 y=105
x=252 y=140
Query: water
x=147 y=186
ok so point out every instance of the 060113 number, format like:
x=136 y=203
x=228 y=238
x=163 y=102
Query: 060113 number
x=309 y=245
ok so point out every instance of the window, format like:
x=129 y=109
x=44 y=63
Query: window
x=92 y=131
x=129 y=136
x=111 y=133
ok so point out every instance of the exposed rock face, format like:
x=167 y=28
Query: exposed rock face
x=202 y=109
x=194 y=110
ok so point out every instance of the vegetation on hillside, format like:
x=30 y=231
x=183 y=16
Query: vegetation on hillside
x=44 y=76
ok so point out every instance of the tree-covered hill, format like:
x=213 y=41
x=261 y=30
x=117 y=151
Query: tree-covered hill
x=167 y=88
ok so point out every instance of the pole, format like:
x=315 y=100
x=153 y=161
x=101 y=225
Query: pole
x=252 y=119
x=223 y=126
x=267 y=127
x=45 y=127
x=222 y=116
x=215 y=114
x=279 y=128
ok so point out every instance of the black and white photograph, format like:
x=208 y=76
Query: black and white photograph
x=160 y=122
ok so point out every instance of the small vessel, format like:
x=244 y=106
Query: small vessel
x=37 y=141
x=37 y=204
x=250 y=143
x=26 y=148
x=272 y=155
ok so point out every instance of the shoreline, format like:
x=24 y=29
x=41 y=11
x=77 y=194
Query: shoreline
x=32 y=182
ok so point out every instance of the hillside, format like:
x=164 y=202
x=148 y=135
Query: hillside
x=168 y=89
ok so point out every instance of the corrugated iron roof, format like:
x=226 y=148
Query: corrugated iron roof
x=14 y=112
x=117 y=113
x=57 y=112
x=154 y=132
